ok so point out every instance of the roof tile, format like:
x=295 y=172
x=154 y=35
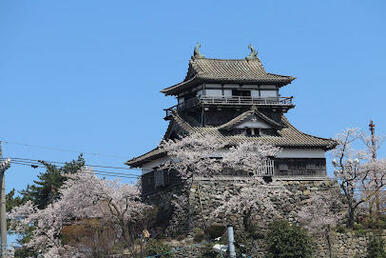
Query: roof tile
x=288 y=136
x=226 y=71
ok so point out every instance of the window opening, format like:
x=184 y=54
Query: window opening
x=243 y=93
x=252 y=131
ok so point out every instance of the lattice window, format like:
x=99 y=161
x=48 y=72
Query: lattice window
x=159 y=179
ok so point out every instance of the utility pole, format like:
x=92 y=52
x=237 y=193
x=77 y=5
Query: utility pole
x=373 y=144
x=4 y=165
x=231 y=242
x=374 y=158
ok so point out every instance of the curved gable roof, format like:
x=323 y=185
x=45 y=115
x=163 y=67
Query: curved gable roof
x=287 y=136
x=239 y=71
x=247 y=116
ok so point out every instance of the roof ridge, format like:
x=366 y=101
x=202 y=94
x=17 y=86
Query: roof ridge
x=223 y=59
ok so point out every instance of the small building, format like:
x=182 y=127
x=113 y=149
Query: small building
x=236 y=100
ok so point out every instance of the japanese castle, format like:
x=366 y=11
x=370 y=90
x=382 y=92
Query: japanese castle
x=236 y=100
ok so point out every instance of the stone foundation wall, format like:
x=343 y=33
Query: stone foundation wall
x=205 y=194
x=345 y=245
x=203 y=197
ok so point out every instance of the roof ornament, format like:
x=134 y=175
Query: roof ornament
x=196 y=53
x=253 y=54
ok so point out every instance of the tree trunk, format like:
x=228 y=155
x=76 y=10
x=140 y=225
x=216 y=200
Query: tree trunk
x=247 y=219
x=351 y=217
x=328 y=236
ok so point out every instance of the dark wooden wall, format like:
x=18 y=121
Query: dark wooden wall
x=152 y=181
x=300 y=167
x=311 y=167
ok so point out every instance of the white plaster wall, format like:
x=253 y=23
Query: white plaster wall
x=148 y=167
x=301 y=153
x=213 y=92
x=227 y=93
x=255 y=93
x=253 y=124
x=268 y=93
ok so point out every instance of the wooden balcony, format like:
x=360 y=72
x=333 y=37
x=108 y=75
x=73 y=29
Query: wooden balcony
x=232 y=101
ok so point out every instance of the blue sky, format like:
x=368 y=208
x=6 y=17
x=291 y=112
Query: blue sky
x=85 y=75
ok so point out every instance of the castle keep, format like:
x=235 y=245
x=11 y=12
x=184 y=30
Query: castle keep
x=236 y=100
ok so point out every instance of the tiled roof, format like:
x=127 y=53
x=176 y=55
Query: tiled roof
x=239 y=71
x=234 y=69
x=148 y=156
x=288 y=136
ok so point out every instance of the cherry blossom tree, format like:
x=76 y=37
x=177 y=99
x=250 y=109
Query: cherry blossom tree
x=254 y=197
x=373 y=143
x=199 y=155
x=354 y=174
x=83 y=196
x=206 y=155
x=193 y=155
x=373 y=186
x=322 y=212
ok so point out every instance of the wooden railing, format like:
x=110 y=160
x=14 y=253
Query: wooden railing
x=241 y=100
x=233 y=100
x=266 y=169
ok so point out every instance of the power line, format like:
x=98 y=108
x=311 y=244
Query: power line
x=61 y=149
x=34 y=163
x=58 y=162
x=37 y=164
x=42 y=166
x=98 y=172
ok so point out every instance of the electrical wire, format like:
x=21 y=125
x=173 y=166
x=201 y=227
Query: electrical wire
x=37 y=164
x=58 y=162
x=61 y=149
x=104 y=173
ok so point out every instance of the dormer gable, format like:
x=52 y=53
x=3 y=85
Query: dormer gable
x=254 y=122
x=252 y=119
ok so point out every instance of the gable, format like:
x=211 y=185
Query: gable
x=251 y=119
x=253 y=122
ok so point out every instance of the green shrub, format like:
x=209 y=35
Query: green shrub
x=215 y=230
x=377 y=224
x=199 y=235
x=360 y=232
x=286 y=241
x=157 y=247
x=255 y=232
x=375 y=248
x=358 y=226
